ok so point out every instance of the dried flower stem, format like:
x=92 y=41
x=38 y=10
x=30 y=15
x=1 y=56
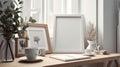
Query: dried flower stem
x=91 y=32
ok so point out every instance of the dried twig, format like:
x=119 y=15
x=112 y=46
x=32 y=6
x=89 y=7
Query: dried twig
x=91 y=32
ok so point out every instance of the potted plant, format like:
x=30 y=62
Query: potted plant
x=91 y=36
x=11 y=22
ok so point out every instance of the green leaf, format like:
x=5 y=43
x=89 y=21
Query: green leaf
x=1 y=12
x=15 y=2
x=18 y=8
x=16 y=16
x=12 y=5
x=5 y=2
x=19 y=12
x=25 y=27
x=21 y=19
x=16 y=22
x=0 y=4
x=20 y=2
x=7 y=10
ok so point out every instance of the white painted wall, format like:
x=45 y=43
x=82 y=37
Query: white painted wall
x=109 y=25
x=75 y=6
x=26 y=12
x=118 y=41
x=118 y=31
x=100 y=21
x=88 y=9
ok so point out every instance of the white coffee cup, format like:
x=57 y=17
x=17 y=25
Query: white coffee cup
x=41 y=52
x=31 y=53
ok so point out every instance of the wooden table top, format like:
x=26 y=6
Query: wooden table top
x=50 y=62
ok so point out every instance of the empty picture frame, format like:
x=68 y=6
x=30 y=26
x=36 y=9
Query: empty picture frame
x=39 y=36
x=68 y=34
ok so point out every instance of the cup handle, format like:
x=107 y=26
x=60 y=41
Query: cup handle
x=38 y=52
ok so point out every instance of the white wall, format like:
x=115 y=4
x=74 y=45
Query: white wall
x=109 y=25
x=118 y=41
x=88 y=9
x=100 y=21
x=26 y=12
x=118 y=36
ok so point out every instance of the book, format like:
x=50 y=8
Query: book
x=69 y=57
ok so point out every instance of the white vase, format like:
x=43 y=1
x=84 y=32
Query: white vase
x=91 y=45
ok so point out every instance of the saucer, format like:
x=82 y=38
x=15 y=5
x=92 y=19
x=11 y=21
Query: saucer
x=25 y=60
x=89 y=54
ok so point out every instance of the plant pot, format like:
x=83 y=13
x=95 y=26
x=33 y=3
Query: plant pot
x=91 y=45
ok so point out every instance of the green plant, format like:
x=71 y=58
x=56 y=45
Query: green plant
x=32 y=20
x=10 y=19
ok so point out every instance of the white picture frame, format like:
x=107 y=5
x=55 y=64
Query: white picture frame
x=39 y=37
x=68 y=34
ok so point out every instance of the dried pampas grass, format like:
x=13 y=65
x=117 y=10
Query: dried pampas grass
x=90 y=32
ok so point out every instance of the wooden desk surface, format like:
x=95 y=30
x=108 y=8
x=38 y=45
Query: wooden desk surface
x=49 y=62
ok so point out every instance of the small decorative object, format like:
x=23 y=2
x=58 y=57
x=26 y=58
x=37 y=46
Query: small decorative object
x=41 y=52
x=32 y=20
x=11 y=23
x=91 y=36
x=104 y=52
x=92 y=45
x=21 y=44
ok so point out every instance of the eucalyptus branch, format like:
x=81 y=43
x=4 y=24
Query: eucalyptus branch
x=10 y=20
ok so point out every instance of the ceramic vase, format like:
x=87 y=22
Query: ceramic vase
x=91 y=45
